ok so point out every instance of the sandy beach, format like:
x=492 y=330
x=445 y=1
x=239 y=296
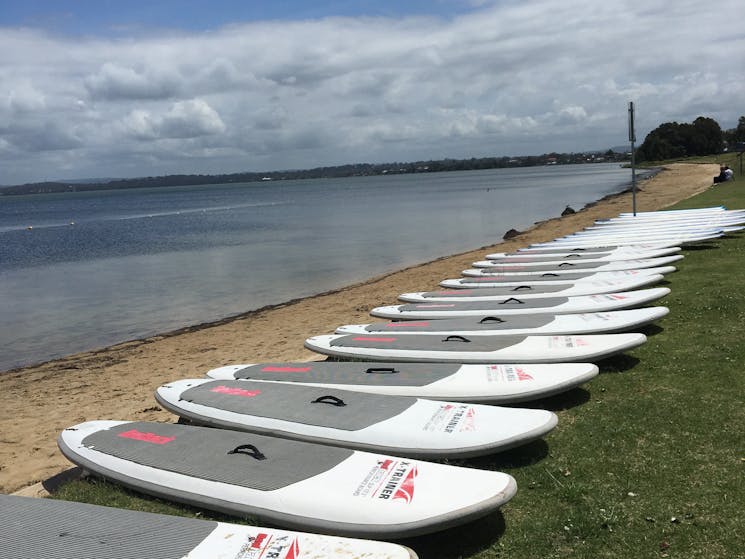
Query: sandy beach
x=118 y=382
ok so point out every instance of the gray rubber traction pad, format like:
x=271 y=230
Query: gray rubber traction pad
x=512 y=291
x=486 y=324
x=490 y=306
x=425 y=342
x=547 y=267
x=351 y=372
x=205 y=453
x=37 y=528
x=301 y=404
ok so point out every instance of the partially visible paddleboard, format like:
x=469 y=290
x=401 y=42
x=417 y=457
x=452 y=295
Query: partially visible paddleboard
x=492 y=383
x=536 y=249
x=516 y=306
x=555 y=278
x=528 y=291
x=475 y=349
x=597 y=266
x=399 y=425
x=37 y=528
x=542 y=324
x=608 y=255
x=289 y=483
x=576 y=241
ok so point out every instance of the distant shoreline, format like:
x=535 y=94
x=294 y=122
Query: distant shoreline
x=340 y=171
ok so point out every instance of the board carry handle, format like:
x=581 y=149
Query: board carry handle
x=329 y=399
x=521 y=287
x=248 y=450
x=381 y=371
x=572 y=256
x=565 y=264
x=512 y=300
x=456 y=338
x=549 y=275
x=490 y=319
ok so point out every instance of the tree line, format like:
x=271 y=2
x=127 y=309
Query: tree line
x=339 y=171
x=704 y=136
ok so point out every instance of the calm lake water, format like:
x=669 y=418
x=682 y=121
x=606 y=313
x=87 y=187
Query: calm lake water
x=85 y=270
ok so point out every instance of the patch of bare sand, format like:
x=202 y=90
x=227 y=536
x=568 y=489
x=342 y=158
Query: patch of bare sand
x=118 y=382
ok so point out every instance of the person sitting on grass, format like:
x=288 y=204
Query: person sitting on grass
x=722 y=176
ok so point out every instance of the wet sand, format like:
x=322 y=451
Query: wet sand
x=118 y=382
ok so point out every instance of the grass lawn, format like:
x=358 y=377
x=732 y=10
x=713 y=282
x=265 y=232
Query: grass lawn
x=648 y=459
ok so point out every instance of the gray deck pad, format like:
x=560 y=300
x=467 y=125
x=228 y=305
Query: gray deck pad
x=509 y=291
x=301 y=404
x=529 y=278
x=486 y=324
x=426 y=342
x=37 y=528
x=490 y=306
x=217 y=454
x=546 y=267
x=352 y=372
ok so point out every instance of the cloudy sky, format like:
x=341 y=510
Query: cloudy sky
x=104 y=88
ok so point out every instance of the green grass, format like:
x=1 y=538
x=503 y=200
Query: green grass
x=648 y=459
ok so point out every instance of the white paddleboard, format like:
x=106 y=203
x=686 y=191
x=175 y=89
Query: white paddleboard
x=540 y=268
x=578 y=239
x=400 y=425
x=475 y=349
x=550 y=250
x=289 y=483
x=36 y=528
x=610 y=254
x=619 y=240
x=542 y=324
x=528 y=291
x=653 y=276
x=492 y=383
x=558 y=262
x=603 y=302
x=657 y=226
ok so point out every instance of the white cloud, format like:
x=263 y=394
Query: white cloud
x=506 y=79
x=184 y=119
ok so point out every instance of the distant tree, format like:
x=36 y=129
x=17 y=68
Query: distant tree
x=734 y=135
x=672 y=140
x=705 y=137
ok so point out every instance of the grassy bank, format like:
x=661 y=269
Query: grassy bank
x=648 y=459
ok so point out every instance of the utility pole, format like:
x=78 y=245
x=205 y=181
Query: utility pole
x=632 y=139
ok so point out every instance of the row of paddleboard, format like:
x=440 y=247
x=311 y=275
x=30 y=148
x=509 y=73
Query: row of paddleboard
x=343 y=447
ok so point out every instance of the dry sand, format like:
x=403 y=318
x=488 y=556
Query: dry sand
x=118 y=382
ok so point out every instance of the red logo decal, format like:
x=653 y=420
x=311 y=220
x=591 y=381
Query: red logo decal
x=294 y=551
x=146 y=437
x=522 y=375
x=259 y=541
x=235 y=391
x=406 y=491
x=286 y=369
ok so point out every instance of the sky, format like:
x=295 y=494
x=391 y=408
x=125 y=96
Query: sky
x=104 y=88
